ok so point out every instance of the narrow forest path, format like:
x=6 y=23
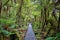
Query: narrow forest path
x=30 y=33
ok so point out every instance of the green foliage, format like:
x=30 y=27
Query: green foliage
x=7 y=21
x=13 y=26
x=58 y=7
x=5 y=32
x=57 y=36
x=49 y=38
x=54 y=38
x=4 y=1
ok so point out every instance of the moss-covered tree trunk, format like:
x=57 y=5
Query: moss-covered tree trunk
x=19 y=16
x=19 y=13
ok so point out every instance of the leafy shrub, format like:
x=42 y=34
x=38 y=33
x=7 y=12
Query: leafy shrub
x=54 y=38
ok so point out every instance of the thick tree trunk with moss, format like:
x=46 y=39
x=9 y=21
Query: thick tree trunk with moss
x=18 y=19
x=44 y=15
x=19 y=13
x=43 y=23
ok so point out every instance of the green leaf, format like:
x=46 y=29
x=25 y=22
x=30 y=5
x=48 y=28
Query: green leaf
x=49 y=38
x=5 y=32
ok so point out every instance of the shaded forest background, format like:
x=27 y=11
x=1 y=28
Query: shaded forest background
x=43 y=14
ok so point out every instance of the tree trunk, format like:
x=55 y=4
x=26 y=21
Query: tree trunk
x=58 y=28
x=18 y=21
x=19 y=13
x=0 y=6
